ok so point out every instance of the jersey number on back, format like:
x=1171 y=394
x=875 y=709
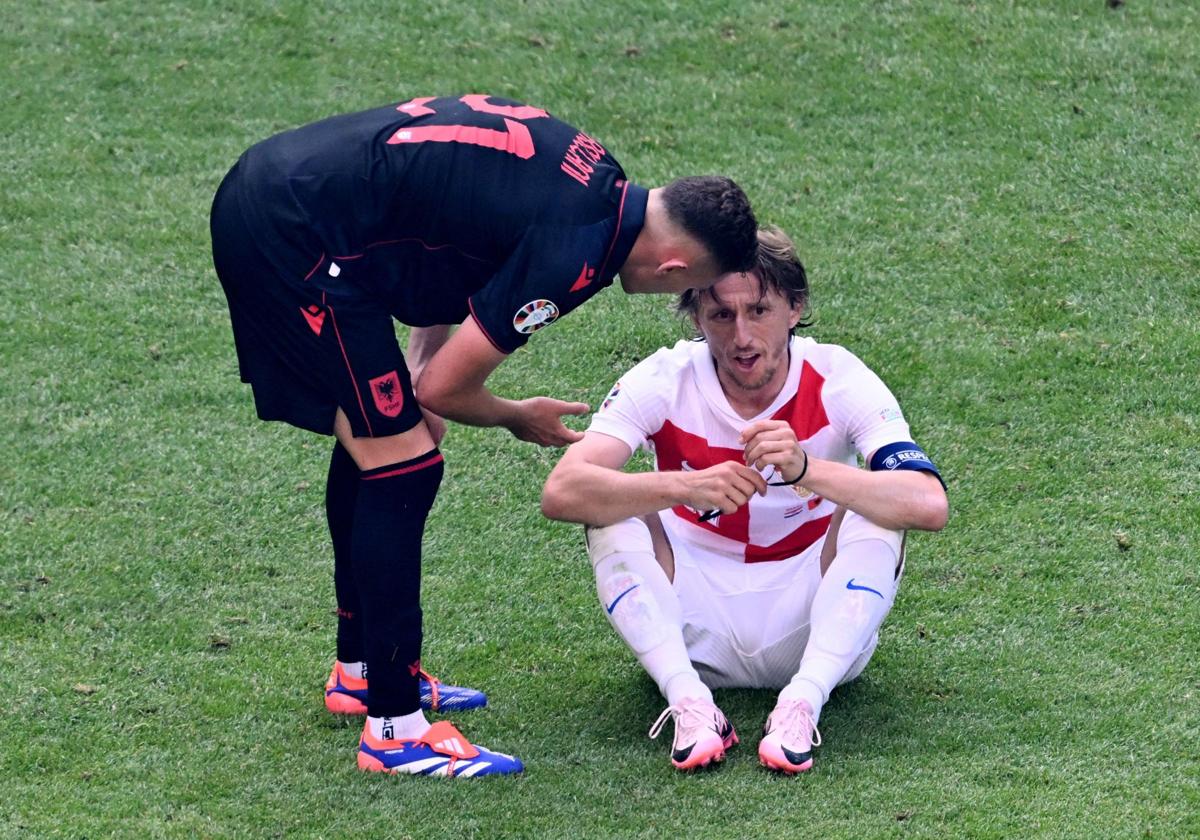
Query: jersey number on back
x=515 y=140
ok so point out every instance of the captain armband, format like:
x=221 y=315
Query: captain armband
x=904 y=455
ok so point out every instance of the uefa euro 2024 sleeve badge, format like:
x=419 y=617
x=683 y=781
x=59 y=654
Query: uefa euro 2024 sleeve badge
x=612 y=395
x=534 y=315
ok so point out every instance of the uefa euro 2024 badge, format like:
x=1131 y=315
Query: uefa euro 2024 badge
x=612 y=395
x=534 y=315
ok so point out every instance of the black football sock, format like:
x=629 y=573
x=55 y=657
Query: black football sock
x=341 y=493
x=389 y=522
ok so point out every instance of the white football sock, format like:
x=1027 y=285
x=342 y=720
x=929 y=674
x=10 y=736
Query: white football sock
x=404 y=727
x=643 y=608
x=353 y=669
x=850 y=604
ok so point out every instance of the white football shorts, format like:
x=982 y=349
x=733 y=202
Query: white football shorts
x=746 y=624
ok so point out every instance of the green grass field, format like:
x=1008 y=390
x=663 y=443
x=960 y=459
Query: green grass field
x=998 y=206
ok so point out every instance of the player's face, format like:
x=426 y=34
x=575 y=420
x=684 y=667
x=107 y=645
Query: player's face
x=747 y=333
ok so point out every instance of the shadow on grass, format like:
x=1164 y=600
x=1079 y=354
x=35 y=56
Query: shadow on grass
x=890 y=713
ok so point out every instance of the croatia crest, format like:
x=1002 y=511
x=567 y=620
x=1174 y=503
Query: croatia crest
x=534 y=315
x=389 y=396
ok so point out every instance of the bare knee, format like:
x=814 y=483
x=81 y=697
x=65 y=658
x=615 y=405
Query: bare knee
x=369 y=453
x=663 y=552
x=829 y=548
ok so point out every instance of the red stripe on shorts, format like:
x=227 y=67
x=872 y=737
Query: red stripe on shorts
x=350 y=371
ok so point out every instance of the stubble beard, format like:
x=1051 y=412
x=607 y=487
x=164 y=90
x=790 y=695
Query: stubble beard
x=750 y=387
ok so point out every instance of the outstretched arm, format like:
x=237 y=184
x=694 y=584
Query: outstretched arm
x=898 y=499
x=587 y=485
x=452 y=385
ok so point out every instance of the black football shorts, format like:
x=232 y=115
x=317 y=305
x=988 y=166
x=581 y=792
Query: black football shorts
x=305 y=351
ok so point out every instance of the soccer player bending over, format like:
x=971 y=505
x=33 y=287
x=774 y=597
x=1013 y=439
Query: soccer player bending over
x=758 y=554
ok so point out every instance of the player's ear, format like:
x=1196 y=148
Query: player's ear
x=796 y=315
x=673 y=264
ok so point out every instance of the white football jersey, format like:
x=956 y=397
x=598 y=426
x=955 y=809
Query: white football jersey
x=672 y=404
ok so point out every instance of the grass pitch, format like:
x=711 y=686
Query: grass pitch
x=997 y=203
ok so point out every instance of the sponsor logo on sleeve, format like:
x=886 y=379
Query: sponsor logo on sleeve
x=887 y=415
x=534 y=315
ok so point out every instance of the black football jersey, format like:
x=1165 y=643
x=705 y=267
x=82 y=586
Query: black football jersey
x=440 y=206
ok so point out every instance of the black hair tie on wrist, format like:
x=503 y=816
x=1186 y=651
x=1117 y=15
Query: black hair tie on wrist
x=708 y=516
x=803 y=472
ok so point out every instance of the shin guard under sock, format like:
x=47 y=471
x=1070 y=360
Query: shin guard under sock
x=643 y=608
x=854 y=597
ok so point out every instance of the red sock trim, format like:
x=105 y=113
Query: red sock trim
x=419 y=463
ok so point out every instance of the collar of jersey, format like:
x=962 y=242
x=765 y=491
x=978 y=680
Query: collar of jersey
x=705 y=372
x=633 y=218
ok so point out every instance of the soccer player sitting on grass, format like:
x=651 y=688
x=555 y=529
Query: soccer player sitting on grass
x=758 y=554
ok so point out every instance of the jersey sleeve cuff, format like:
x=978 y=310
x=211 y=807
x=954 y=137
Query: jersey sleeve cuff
x=630 y=437
x=484 y=330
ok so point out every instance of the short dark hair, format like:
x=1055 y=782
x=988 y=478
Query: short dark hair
x=717 y=214
x=777 y=266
